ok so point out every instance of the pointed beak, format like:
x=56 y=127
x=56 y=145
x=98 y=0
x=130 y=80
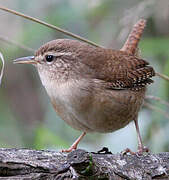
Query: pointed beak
x=25 y=60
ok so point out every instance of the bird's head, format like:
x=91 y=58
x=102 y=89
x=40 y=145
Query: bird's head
x=57 y=59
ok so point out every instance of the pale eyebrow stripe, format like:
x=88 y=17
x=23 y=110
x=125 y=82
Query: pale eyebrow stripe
x=58 y=53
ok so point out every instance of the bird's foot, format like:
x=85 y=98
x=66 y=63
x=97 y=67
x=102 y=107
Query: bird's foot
x=75 y=144
x=73 y=147
x=126 y=151
x=140 y=151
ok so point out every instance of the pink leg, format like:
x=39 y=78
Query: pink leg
x=74 y=145
x=141 y=148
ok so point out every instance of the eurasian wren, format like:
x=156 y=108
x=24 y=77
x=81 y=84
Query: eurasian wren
x=92 y=89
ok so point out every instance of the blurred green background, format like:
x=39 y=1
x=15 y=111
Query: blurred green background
x=27 y=118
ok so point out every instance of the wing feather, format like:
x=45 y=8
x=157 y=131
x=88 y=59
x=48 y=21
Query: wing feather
x=121 y=70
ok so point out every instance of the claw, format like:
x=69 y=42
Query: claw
x=140 y=151
x=126 y=151
x=73 y=147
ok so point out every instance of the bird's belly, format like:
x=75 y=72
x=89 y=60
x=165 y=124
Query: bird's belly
x=99 y=112
x=113 y=110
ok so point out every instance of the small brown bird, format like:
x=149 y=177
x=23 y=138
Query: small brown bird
x=92 y=89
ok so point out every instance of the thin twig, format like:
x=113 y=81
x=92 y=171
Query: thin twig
x=49 y=25
x=163 y=76
x=134 y=37
x=154 y=108
x=9 y=41
x=157 y=99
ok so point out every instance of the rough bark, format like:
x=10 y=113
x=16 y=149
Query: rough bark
x=31 y=164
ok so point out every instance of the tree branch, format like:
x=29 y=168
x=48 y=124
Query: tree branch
x=79 y=164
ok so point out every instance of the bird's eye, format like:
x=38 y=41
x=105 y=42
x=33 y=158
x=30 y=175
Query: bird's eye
x=49 y=58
